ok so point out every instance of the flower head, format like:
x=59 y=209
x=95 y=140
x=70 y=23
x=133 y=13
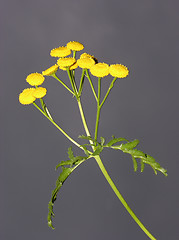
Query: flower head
x=72 y=67
x=118 y=70
x=100 y=70
x=86 y=55
x=66 y=62
x=75 y=46
x=60 y=52
x=26 y=96
x=35 y=79
x=85 y=62
x=39 y=92
x=51 y=70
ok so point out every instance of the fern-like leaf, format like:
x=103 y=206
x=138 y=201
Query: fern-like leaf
x=129 y=148
x=74 y=162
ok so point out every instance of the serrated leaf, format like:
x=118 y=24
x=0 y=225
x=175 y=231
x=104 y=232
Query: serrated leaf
x=142 y=165
x=115 y=140
x=66 y=171
x=89 y=138
x=102 y=141
x=63 y=176
x=150 y=158
x=134 y=163
x=130 y=145
x=70 y=153
x=64 y=163
x=135 y=153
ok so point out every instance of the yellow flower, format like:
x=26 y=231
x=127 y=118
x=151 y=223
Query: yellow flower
x=35 y=79
x=60 y=52
x=26 y=96
x=100 y=70
x=72 y=67
x=118 y=70
x=51 y=70
x=85 y=62
x=39 y=92
x=75 y=46
x=86 y=55
x=66 y=62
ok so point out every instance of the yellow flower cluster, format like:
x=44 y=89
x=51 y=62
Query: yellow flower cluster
x=29 y=95
x=86 y=61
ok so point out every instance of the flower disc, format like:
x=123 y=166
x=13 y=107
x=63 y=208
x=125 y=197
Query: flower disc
x=118 y=70
x=26 y=96
x=75 y=46
x=100 y=70
x=35 y=79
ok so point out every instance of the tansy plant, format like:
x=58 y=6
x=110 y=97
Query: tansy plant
x=93 y=144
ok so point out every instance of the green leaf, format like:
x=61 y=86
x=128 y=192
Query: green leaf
x=61 y=179
x=115 y=140
x=89 y=138
x=102 y=141
x=130 y=145
x=137 y=154
x=134 y=163
x=70 y=153
x=142 y=165
x=74 y=162
x=64 y=163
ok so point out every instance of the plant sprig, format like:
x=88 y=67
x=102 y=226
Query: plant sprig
x=90 y=66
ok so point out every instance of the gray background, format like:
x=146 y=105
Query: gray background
x=144 y=36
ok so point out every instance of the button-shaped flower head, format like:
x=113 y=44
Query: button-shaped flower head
x=87 y=55
x=118 y=70
x=26 y=96
x=51 y=70
x=39 y=92
x=100 y=70
x=66 y=62
x=72 y=67
x=35 y=79
x=60 y=52
x=86 y=62
x=75 y=46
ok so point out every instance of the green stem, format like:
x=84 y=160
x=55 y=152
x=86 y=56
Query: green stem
x=83 y=118
x=92 y=87
x=98 y=109
x=109 y=89
x=120 y=197
x=56 y=125
x=72 y=82
x=46 y=111
x=81 y=82
x=55 y=76
x=108 y=178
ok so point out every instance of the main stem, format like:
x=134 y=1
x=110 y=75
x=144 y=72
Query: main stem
x=120 y=197
x=98 y=109
x=109 y=180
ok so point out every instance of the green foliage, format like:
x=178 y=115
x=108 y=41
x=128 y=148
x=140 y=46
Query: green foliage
x=129 y=148
x=70 y=166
